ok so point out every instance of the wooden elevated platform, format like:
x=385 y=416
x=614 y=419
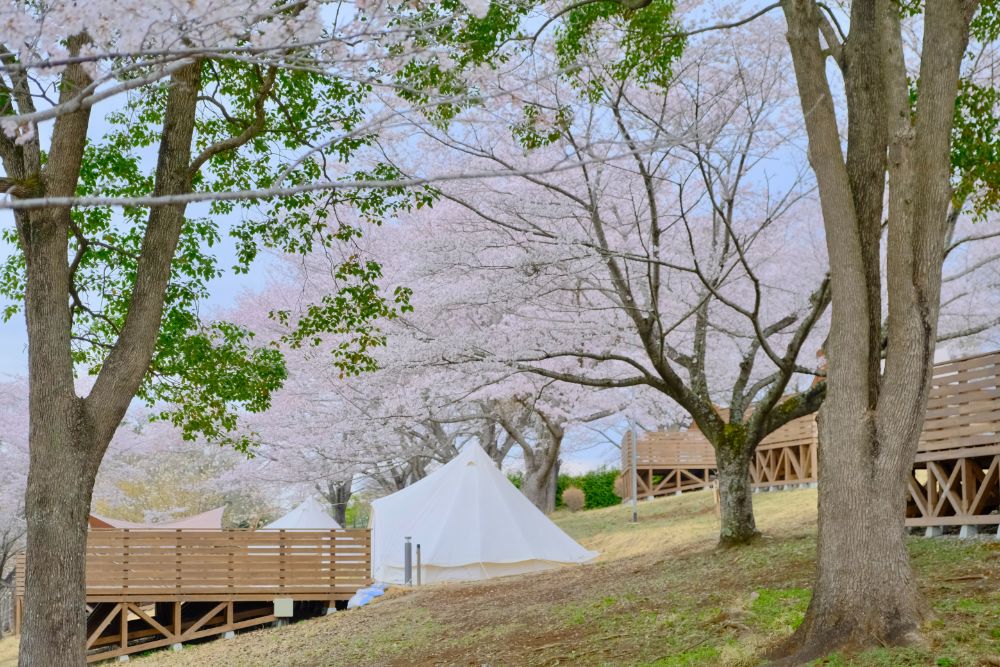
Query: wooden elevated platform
x=668 y=462
x=152 y=588
x=956 y=473
x=671 y=462
x=787 y=457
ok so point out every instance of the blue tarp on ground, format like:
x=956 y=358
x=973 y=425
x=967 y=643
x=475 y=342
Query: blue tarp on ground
x=366 y=595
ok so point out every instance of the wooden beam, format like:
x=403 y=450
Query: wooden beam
x=153 y=623
x=187 y=634
x=160 y=643
x=946 y=488
x=917 y=493
x=104 y=624
x=992 y=473
x=968 y=520
x=123 y=627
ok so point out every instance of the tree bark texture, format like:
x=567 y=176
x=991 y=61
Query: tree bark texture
x=870 y=422
x=540 y=480
x=737 y=524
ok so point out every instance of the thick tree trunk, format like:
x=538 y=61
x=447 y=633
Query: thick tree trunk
x=870 y=423
x=61 y=466
x=60 y=483
x=539 y=485
x=864 y=590
x=735 y=496
x=541 y=460
x=69 y=435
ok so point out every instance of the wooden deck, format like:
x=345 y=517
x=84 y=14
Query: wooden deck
x=787 y=457
x=668 y=462
x=956 y=473
x=147 y=589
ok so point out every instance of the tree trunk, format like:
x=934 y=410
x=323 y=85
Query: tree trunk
x=54 y=629
x=735 y=496
x=870 y=423
x=68 y=435
x=337 y=495
x=864 y=589
x=539 y=485
x=61 y=466
x=541 y=460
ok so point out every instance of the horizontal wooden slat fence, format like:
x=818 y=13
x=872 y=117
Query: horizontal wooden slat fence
x=152 y=588
x=956 y=473
x=963 y=406
x=124 y=565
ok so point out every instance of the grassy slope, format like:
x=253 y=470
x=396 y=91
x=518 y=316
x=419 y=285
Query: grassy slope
x=659 y=595
x=8 y=651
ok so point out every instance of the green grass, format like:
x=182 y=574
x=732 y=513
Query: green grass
x=660 y=595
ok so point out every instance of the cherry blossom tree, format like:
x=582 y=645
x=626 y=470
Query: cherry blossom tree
x=900 y=154
x=249 y=101
x=152 y=474
x=459 y=333
x=916 y=151
x=423 y=403
x=685 y=234
x=660 y=254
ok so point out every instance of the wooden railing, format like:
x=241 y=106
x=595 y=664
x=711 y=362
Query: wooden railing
x=963 y=406
x=676 y=448
x=223 y=565
x=956 y=473
x=787 y=456
x=668 y=462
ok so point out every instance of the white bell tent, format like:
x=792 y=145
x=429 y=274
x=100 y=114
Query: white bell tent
x=470 y=522
x=309 y=515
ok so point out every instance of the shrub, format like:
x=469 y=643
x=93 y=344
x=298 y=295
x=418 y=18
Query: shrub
x=573 y=499
x=598 y=488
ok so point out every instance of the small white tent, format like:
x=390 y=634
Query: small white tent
x=309 y=515
x=470 y=522
x=210 y=520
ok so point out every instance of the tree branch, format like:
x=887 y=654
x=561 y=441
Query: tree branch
x=126 y=366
